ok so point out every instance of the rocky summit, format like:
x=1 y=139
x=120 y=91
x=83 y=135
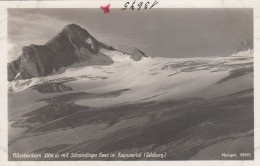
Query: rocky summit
x=137 y=54
x=72 y=44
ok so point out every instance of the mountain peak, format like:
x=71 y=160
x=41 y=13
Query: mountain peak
x=74 y=28
x=72 y=44
x=247 y=44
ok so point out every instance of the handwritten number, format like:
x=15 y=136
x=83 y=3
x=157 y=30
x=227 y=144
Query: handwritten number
x=140 y=5
x=133 y=7
x=154 y=3
x=146 y=5
x=126 y=4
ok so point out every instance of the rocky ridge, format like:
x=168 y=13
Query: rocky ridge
x=72 y=44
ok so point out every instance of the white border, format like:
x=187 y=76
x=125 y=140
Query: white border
x=119 y=4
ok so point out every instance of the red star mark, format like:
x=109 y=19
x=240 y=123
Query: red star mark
x=105 y=8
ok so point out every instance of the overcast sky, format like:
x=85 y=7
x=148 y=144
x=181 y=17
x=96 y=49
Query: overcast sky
x=158 y=32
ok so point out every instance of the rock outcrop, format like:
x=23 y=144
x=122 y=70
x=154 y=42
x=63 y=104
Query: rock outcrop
x=72 y=44
x=137 y=55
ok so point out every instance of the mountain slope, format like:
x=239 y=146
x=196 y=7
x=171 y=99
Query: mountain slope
x=72 y=44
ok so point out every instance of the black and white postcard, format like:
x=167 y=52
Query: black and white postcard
x=130 y=81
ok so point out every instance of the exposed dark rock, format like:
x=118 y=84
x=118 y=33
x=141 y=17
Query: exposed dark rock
x=52 y=87
x=137 y=55
x=237 y=73
x=13 y=69
x=61 y=51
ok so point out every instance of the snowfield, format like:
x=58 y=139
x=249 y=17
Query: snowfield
x=148 y=79
x=156 y=104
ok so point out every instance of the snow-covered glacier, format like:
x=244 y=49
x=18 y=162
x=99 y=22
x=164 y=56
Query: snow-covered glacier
x=185 y=107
